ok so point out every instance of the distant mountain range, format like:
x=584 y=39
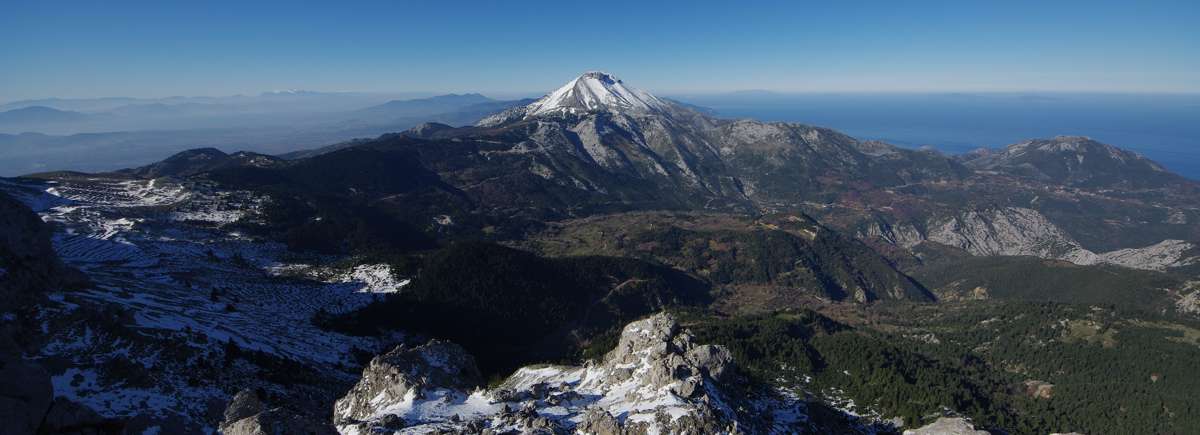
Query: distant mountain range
x=296 y=100
x=143 y=131
x=422 y=106
x=39 y=115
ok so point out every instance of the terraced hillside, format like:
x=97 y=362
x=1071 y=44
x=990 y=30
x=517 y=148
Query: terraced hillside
x=183 y=309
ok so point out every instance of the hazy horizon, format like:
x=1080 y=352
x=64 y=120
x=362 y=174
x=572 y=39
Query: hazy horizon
x=511 y=95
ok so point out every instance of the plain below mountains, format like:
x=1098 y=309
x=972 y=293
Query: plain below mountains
x=42 y=138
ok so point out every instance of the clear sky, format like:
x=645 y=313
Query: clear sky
x=166 y=47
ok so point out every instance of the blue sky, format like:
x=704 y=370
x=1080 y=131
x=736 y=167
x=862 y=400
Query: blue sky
x=161 y=48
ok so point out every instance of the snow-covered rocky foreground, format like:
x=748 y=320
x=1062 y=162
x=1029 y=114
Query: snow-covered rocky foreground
x=182 y=310
x=657 y=380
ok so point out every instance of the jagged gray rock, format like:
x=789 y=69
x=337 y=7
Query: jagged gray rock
x=656 y=380
x=597 y=421
x=243 y=404
x=947 y=426
x=1188 y=301
x=407 y=371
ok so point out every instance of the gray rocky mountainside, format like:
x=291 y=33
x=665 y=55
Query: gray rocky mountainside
x=598 y=122
x=598 y=145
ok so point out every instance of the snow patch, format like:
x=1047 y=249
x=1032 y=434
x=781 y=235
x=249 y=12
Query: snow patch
x=595 y=91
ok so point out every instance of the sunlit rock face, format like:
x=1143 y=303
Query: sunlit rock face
x=655 y=381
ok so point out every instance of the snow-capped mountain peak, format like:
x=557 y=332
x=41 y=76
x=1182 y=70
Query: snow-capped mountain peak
x=591 y=92
x=595 y=91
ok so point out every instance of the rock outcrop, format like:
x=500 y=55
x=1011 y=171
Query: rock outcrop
x=947 y=426
x=656 y=380
x=1189 y=299
x=1159 y=256
x=247 y=414
x=407 y=375
x=1016 y=231
x=29 y=267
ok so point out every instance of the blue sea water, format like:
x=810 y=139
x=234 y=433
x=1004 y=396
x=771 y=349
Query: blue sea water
x=1163 y=127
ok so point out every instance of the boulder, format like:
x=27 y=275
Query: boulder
x=243 y=404
x=405 y=371
x=597 y=421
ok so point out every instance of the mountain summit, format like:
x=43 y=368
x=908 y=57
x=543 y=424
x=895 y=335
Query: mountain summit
x=595 y=91
x=600 y=135
x=591 y=92
x=1075 y=161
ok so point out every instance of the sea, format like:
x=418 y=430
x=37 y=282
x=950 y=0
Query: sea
x=1163 y=127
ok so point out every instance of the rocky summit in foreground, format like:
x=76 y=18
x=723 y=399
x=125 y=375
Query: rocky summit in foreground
x=657 y=380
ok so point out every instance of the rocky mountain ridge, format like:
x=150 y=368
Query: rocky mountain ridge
x=597 y=121
x=202 y=160
x=1015 y=231
x=656 y=380
x=1074 y=161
